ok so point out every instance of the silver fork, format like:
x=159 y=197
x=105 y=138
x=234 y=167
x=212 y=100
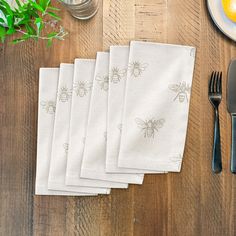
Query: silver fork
x=215 y=96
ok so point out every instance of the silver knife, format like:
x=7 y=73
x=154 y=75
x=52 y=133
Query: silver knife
x=231 y=101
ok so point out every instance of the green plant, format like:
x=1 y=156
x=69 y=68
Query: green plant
x=28 y=20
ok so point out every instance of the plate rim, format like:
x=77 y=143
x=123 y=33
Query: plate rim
x=218 y=26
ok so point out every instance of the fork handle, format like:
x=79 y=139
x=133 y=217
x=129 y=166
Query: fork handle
x=216 y=160
x=233 y=144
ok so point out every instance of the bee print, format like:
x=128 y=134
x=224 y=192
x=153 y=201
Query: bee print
x=182 y=90
x=136 y=68
x=116 y=75
x=49 y=106
x=81 y=88
x=149 y=127
x=66 y=148
x=103 y=82
x=64 y=94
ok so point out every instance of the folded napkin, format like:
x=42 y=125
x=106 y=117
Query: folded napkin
x=82 y=86
x=156 y=106
x=118 y=66
x=94 y=158
x=48 y=81
x=60 y=146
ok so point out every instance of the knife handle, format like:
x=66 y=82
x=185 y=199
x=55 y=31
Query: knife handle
x=233 y=145
x=216 y=160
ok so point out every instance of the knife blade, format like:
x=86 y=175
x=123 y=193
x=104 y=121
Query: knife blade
x=231 y=103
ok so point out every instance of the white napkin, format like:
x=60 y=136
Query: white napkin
x=48 y=81
x=60 y=147
x=118 y=66
x=156 y=106
x=119 y=57
x=82 y=86
x=94 y=159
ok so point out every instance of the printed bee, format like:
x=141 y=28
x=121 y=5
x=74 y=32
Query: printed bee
x=81 y=88
x=64 y=94
x=149 y=127
x=49 y=106
x=136 y=68
x=103 y=82
x=182 y=90
x=116 y=74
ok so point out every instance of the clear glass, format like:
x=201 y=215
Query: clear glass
x=81 y=9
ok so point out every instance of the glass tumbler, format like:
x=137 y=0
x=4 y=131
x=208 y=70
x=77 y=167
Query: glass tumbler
x=81 y=9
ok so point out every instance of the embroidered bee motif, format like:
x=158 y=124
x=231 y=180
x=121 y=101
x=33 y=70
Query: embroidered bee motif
x=81 y=88
x=116 y=75
x=182 y=90
x=149 y=127
x=64 y=94
x=136 y=68
x=49 y=106
x=103 y=82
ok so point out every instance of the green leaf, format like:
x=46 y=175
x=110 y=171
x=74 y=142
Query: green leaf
x=15 y=41
x=30 y=29
x=10 y=31
x=1 y=20
x=2 y=33
x=52 y=14
x=44 y=3
x=39 y=24
x=22 y=39
x=32 y=13
x=18 y=3
x=5 y=5
x=10 y=22
x=36 y=6
x=53 y=8
x=23 y=21
x=49 y=43
x=52 y=35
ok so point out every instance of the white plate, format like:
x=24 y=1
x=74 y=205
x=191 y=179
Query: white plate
x=227 y=26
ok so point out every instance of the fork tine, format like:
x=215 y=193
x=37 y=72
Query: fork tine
x=211 y=82
x=216 y=81
x=220 y=85
x=217 y=88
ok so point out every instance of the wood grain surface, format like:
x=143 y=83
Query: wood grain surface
x=192 y=203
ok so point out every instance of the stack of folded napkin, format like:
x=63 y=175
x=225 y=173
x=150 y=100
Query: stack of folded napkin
x=104 y=123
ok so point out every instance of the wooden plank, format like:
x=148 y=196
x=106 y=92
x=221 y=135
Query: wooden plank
x=185 y=188
x=194 y=202
x=18 y=137
x=151 y=199
x=70 y=215
x=118 y=22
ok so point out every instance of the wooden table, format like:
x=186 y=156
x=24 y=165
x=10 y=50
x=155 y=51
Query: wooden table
x=192 y=203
